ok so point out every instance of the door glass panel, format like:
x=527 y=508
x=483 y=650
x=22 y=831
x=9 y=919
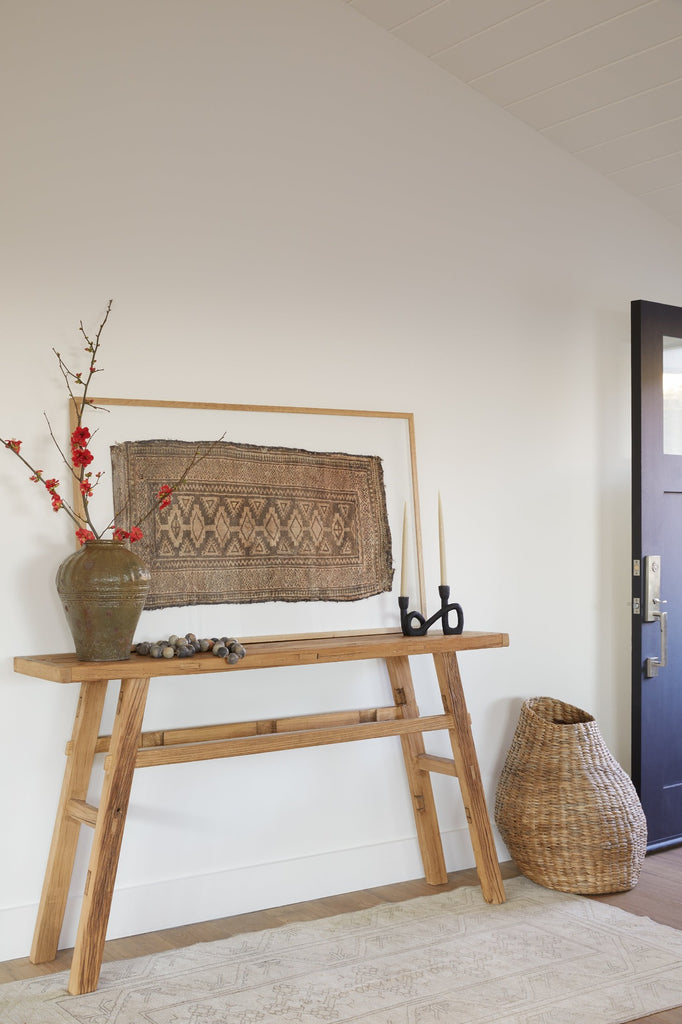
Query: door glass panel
x=672 y=396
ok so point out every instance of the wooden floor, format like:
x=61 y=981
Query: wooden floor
x=658 y=895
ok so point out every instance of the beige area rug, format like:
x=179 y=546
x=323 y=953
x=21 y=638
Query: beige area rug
x=541 y=958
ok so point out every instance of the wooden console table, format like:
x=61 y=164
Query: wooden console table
x=128 y=748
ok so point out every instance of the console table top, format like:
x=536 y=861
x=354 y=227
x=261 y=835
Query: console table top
x=261 y=652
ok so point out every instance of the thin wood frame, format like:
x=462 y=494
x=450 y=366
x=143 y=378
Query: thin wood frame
x=412 y=500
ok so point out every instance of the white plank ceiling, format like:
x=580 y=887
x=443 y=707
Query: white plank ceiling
x=600 y=78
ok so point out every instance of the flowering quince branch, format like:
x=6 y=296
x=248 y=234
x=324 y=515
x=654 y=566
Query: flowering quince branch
x=81 y=457
x=163 y=496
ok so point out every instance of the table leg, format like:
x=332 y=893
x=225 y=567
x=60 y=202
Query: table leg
x=468 y=772
x=66 y=830
x=106 y=844
x=421 y=791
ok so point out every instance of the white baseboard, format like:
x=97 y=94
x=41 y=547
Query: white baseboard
x=177 y=901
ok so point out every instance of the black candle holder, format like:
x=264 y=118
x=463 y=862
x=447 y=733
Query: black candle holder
x=424 y=625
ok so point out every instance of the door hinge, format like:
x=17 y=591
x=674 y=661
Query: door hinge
x=636 y=606
x=636 y=567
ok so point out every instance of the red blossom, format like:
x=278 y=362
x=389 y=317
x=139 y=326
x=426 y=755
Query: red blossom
x=164 y=496
x=81 y=456
x=56 y=502
x=80 y=437
x=85 y=488
x=83 y=535
x=51 y=484
x=134 y=534
x=13 y=445
x=37 y=477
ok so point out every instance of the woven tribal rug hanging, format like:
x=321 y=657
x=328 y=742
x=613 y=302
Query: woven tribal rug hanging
x=253 y=523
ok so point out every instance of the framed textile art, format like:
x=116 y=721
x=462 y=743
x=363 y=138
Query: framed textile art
x=290 y=525
x=255 y=523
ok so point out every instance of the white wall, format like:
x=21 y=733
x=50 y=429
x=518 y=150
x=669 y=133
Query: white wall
x=288 y=207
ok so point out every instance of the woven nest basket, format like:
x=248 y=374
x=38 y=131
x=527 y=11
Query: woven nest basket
x=568 y=813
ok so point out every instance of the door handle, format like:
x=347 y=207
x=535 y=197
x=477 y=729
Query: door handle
x=652 y=611
x=652 y=587
x=652 y=665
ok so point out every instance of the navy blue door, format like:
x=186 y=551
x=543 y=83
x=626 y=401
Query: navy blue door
x=657 y=567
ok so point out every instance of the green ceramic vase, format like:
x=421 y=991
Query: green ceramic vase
x=103 y=587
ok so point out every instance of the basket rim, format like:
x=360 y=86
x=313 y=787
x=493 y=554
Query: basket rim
x=570 y=714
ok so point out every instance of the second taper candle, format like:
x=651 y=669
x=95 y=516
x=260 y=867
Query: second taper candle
x=441 y=544
x=403 y=565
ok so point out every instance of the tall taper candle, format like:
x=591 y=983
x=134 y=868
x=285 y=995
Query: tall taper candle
x=403 y=564
x=441 y=540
